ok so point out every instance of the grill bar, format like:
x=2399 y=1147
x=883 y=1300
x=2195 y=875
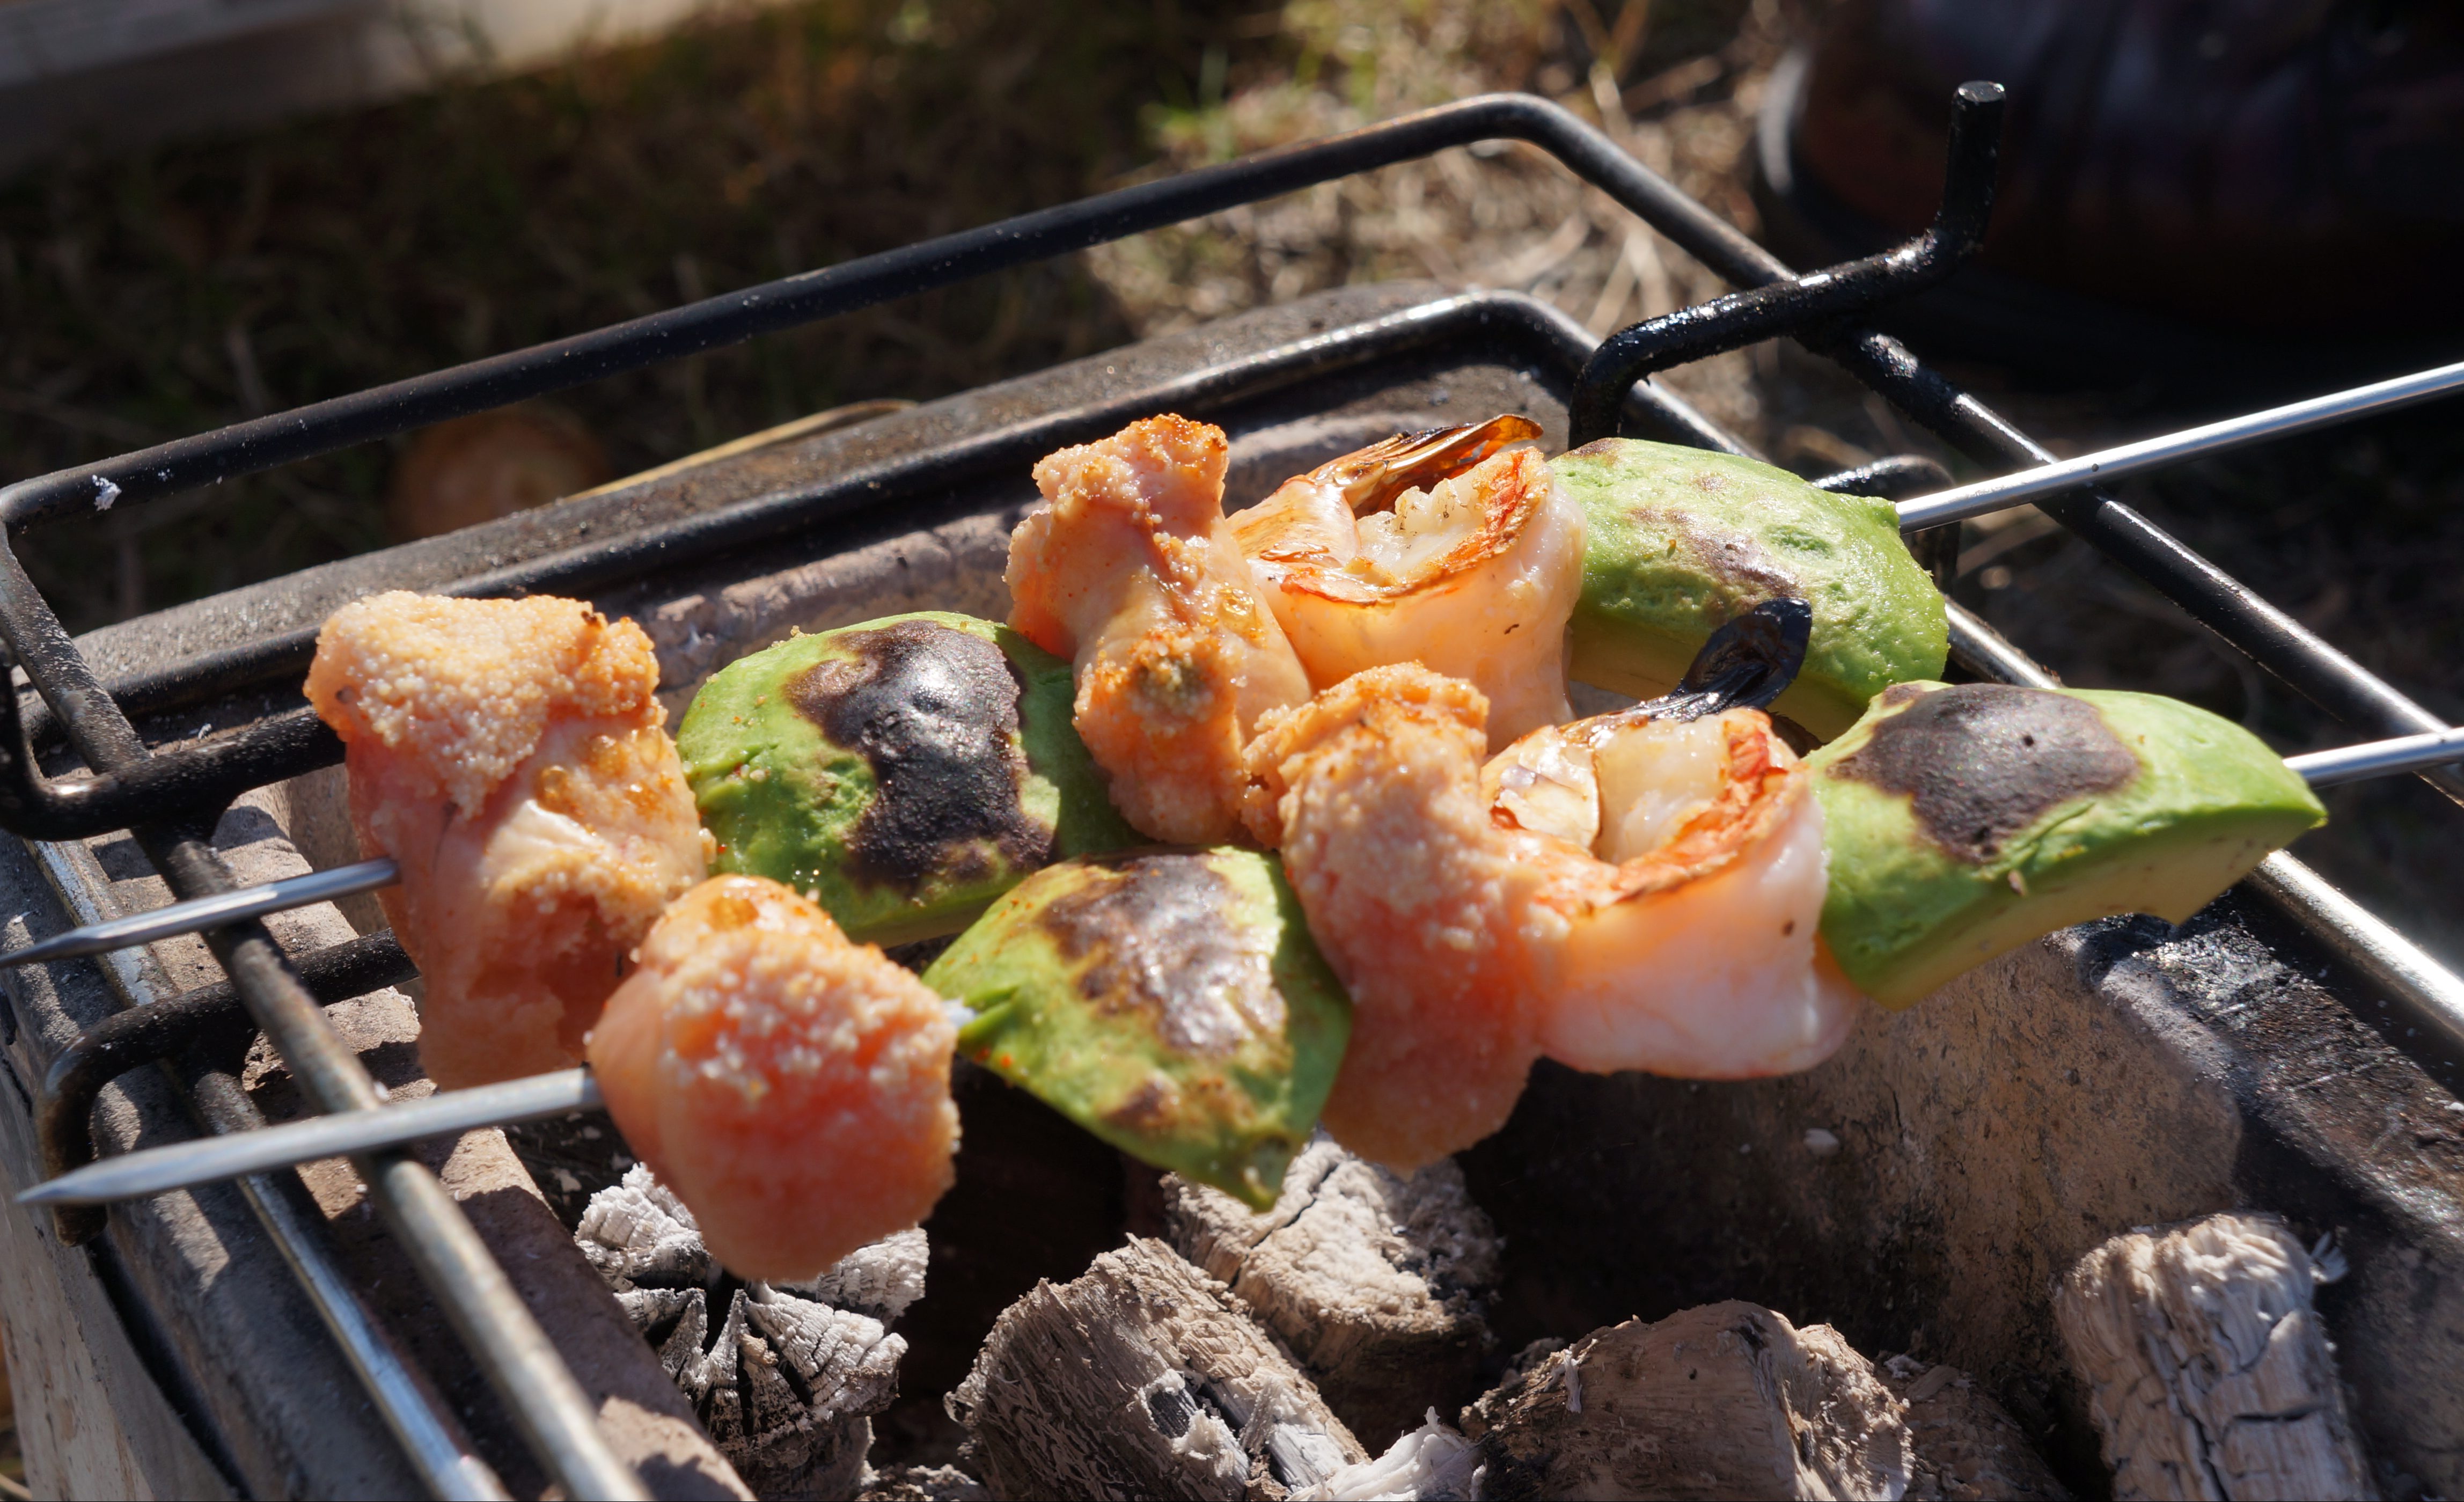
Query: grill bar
x=432 y=1439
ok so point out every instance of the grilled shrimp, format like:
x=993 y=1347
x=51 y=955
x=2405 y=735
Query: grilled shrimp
x=508 y=755
x=792 y=1088
x=1446 y=548
x=1685 y=875
x=1414 y=898
x=1128 y=570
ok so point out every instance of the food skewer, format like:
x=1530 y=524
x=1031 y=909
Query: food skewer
x=181 y=1165
x=2395 y=756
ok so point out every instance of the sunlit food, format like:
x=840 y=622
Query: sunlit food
x=1685 y=888
x=1447 y=548
x=1129 y=571
x=508 y=755
x=1169 y=1002
x=1679 y=541
x=791 y=1087
x=1964 y=822
x=1416 y=899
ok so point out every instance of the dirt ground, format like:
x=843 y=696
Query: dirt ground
x=164 y=293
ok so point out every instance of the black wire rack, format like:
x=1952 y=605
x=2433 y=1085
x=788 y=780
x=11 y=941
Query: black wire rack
x=168 y=796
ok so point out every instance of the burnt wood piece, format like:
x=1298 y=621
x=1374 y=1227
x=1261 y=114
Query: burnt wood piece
x=1725 y=1400
x=2209 y=1374
x=787 y=1376
x=1962 y=1447
x=1377 y=1283
x=1144 y=1377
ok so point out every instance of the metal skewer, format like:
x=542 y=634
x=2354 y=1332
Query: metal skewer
x=2379 y=758
x=2277 y=422
x=449 y=1113
x=204 y=912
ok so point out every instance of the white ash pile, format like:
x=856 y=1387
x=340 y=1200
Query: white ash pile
x=2207 y=1371
x=1144 y=1377
x=787 y=1377
x=1378 y=1285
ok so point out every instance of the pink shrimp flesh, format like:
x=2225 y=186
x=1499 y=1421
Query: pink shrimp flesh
x=1128 y=570
x=1447 y=548
x=1686 y=873
x=792 y=1088
x=508 y=755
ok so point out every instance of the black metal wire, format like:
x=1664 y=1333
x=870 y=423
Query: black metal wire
x=1802 y=304
x=211 y=1019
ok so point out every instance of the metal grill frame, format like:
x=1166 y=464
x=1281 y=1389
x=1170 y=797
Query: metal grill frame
x=169 y=798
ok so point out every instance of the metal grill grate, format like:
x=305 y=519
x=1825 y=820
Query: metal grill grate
x=168 y=796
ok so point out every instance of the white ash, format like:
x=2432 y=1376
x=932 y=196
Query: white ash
x=1143 y=1377
x=2207 y=1371
x=1377 y=1284
x=1434 y=1463
x=634 y=1233
x=787 y=1381
x=922 y=1484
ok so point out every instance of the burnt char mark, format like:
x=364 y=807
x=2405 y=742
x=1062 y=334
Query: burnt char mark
x=1735 y=560
x=1984 y=761
x=935 y=710
x=1157 y=933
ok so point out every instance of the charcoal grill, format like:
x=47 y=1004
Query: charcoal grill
x=123 y=754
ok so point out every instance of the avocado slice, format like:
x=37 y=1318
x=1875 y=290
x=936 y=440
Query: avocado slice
x=1679 y=542
x=902 y=773
x=1963 y=822
x=1168 y=1001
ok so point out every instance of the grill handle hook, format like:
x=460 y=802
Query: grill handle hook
x=1822 y=296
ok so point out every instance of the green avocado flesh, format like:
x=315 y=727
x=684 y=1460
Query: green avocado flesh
x=1964 y=822
x=903 y=772
x=1168 y=1001
x=1679 y=542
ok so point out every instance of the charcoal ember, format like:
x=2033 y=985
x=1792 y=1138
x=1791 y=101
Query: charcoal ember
x=2207 y=1370
x=784 y=1377
x=1377 y=1283
x=1962 y=1447
x=1727 y=1400
x=1143 y=1377
x=922 y=1484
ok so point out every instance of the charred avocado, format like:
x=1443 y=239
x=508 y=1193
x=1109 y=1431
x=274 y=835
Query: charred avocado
x=1679 y=542
x=903 y=772
x=1168 y=1001
x=1963 y=822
